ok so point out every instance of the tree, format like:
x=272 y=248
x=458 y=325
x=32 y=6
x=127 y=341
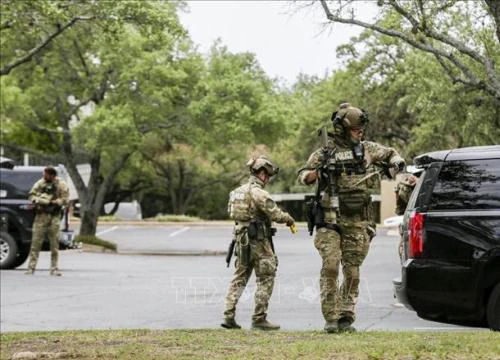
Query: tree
x=96 y=94
x=41 y=22
x=234 y=110
x=466 y=50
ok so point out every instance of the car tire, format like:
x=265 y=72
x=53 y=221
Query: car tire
x=8 y=251
x=22 y=255
x=493 y=309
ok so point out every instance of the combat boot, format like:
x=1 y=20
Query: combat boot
x=230 y=323
x=345 y=325
x=264 y=325
x=55 y=272
x=332 y=327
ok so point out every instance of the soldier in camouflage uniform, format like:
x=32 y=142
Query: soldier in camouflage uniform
x=254 y=210
x=343 y=236
x=49 y=195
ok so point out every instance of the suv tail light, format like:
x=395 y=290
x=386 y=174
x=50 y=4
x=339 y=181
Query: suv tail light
x=416 y=235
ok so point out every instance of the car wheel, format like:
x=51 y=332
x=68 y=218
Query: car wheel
x=493 y=309
x=22 y=255
x=8 y=251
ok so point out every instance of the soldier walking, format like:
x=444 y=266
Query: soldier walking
x=254 y=210
x=342 y=212
x=49 y=195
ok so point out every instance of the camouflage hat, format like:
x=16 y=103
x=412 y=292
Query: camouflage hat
x=255 y=164
x=349 y=117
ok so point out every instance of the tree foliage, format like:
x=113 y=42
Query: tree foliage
x=233 y=110
x=466 y=49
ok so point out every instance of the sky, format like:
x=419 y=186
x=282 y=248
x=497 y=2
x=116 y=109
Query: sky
x=286 y=41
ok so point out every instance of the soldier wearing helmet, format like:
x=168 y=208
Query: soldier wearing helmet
x=253 y=210
x=343 y=233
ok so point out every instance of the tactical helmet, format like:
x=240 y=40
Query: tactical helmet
x=255 y=164
x=348 y=117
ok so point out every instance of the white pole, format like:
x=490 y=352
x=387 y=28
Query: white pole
x=26 y=159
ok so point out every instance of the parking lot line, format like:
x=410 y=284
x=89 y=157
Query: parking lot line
x=106 y=230
x=179 y=231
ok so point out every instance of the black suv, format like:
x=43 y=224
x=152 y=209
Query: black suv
x=451 y=236
x=16 y=214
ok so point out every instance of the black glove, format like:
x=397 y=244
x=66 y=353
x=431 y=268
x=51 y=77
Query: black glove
x=399 y=166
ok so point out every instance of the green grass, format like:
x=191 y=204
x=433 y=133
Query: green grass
x=108 y=218
x=174 y=218
x=94 y=240
x=244 y=344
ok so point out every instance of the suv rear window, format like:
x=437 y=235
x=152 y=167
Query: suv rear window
x=470 y=184
x=17 y=184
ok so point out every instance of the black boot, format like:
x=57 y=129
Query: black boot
x=332 y=327
x=345 y=325
x=229 y=323
x=264 y=325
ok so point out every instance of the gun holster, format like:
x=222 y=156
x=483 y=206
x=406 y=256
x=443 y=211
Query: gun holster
x=243 y=250
x=259 y=230
x=253 y=230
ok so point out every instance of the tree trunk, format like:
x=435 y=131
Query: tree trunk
x=88 y=223
x=92 y=196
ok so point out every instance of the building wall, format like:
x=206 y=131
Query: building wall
x=388 y=199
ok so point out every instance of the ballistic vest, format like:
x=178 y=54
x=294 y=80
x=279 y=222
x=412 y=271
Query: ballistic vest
x=349 y=173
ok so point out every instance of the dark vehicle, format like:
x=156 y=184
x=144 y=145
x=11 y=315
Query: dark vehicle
x=17 y=215
x=451 y=234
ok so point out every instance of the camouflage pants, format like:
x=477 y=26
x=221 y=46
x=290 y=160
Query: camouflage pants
x=348 y=250
x=264 y=262
x=45 y=225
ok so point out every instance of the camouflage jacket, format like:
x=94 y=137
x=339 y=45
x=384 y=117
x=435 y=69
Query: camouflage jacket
x=250 y=201
x=403 y=191
x=44 y=194
x=352 y=189
x=374 y=154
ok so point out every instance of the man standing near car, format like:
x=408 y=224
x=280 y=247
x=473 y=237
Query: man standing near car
x=254 y=210
x=342 y=209
x=49 y=195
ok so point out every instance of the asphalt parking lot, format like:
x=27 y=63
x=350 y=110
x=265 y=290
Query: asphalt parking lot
x=176 y=277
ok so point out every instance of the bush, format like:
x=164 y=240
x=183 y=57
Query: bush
x=106 y=218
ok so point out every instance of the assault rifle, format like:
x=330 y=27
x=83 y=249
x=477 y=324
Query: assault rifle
x=315 y=213
x=230 y=251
